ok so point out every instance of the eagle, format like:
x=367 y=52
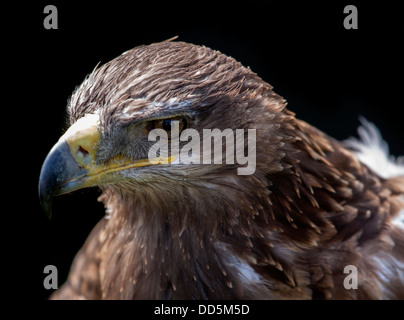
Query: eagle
x=316 y=219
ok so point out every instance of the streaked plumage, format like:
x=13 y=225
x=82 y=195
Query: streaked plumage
x=202 y=231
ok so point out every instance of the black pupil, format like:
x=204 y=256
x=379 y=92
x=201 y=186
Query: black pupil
x=167 y=124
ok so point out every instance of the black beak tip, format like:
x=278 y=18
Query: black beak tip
x=46 y=204
x=58 y=169
x=45 y=196
x=51 y=176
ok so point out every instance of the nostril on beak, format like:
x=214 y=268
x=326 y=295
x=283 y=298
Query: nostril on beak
x=83 y=156
x=83 y=151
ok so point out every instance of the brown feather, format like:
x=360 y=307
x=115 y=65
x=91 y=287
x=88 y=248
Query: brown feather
x=310 y=209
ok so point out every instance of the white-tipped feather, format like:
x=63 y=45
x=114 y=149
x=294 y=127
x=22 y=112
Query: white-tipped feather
x=373 y=151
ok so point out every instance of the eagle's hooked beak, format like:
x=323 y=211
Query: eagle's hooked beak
x=71 y=163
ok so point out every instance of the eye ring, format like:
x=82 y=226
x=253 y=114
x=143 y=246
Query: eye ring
x=166 y=124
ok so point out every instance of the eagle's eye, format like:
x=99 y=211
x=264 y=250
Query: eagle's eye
x=166 y=124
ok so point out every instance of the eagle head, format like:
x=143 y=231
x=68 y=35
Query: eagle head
x=114 y=111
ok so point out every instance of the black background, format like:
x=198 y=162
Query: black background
x=328 y=75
